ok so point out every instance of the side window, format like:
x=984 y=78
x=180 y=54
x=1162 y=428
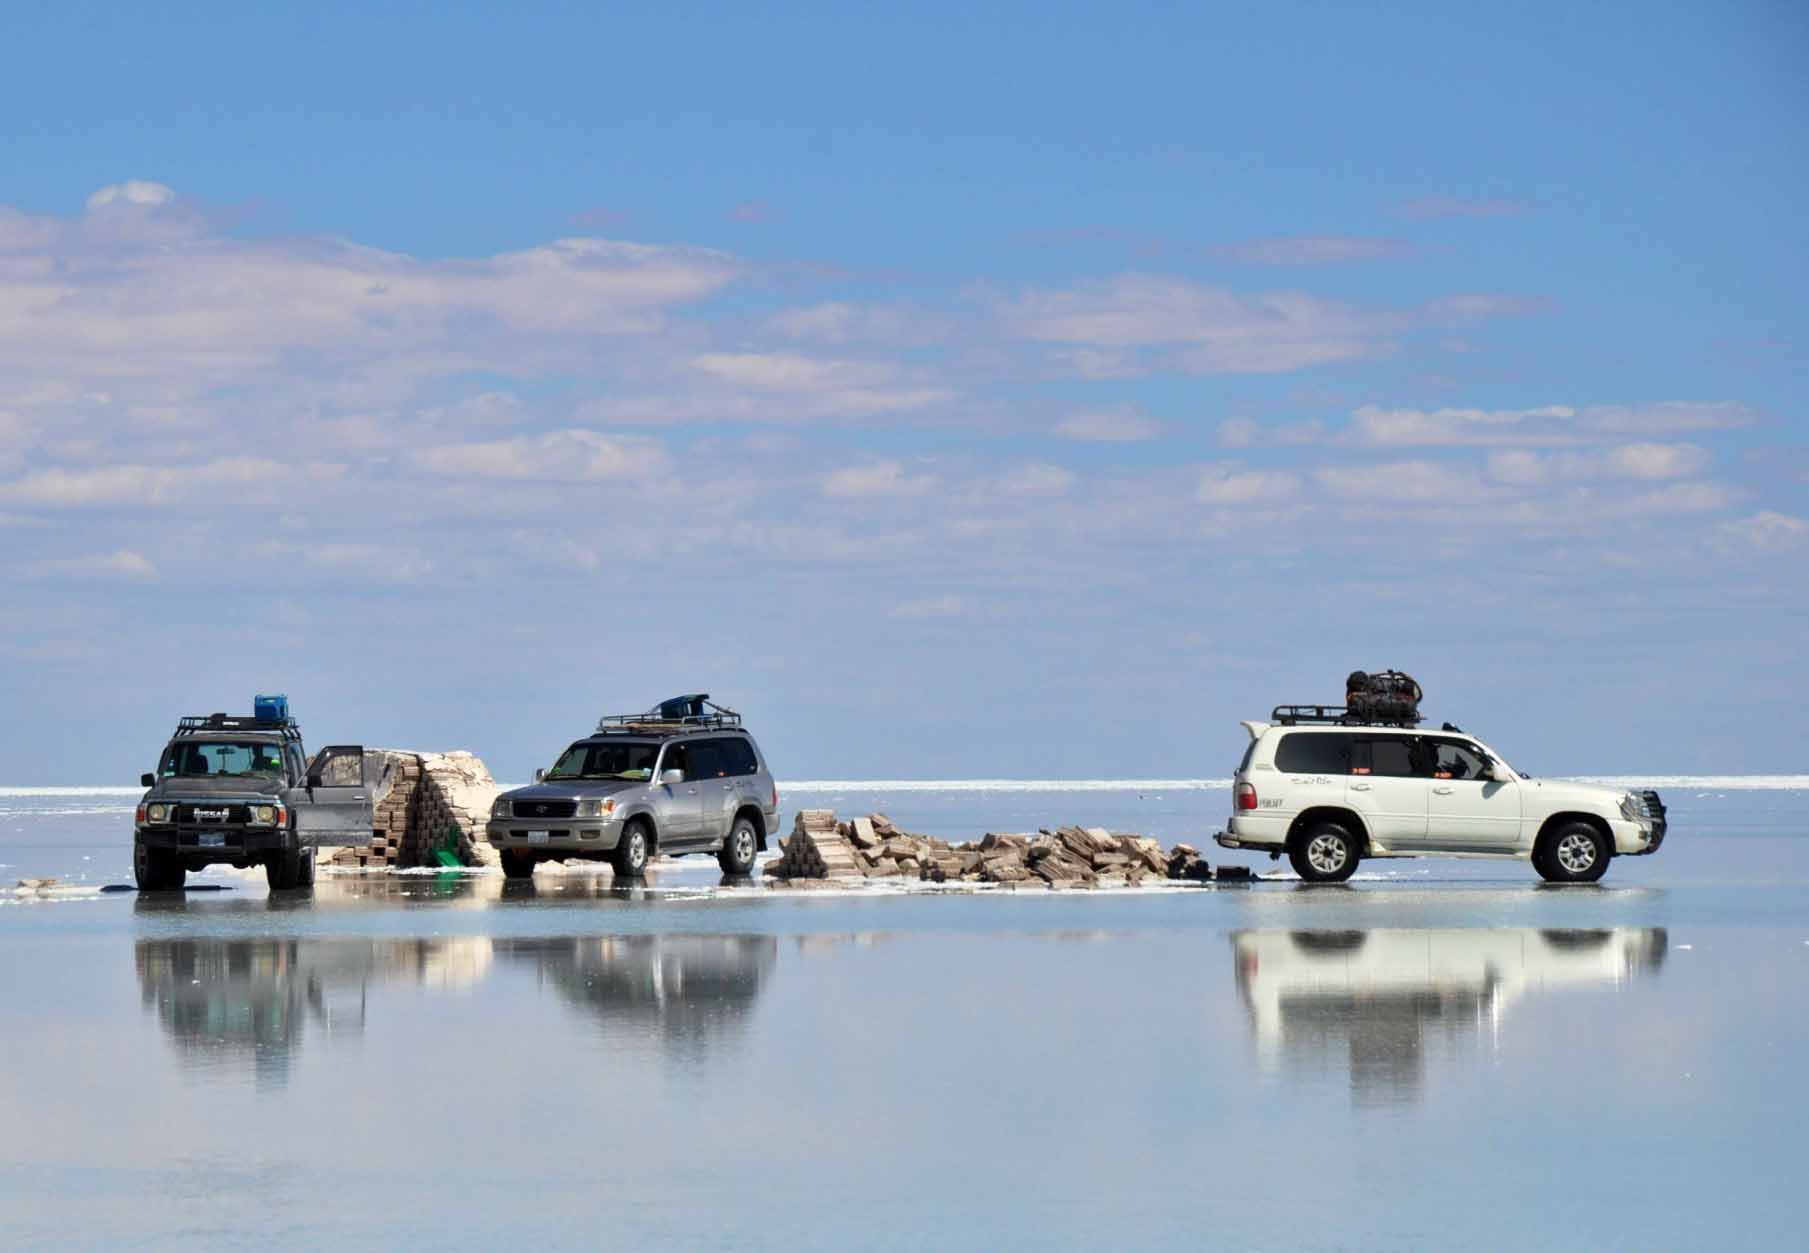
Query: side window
x=708 y=760
x=1452 y=759
x=677 y=758
x=740 y=756
x=1389 y=755
x=340 y=767
x=1313 y=752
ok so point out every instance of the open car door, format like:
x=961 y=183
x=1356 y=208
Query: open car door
x=335 y=806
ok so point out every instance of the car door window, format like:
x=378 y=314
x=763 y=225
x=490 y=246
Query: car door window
x=1313 y=752
x=1452 y=759
x=708 y=760
x=677 y=757
x=340 y=767
x=739 y=757
x=1390 y=756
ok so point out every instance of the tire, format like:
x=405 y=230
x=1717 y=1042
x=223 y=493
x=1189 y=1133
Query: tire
x=307 y=869
x=1574 y=852
x=631 y=851
x=1328 y=941
x=1325 y=853
x=517 y=865
x=738 y=851
x=283 y=872
x=156 y=869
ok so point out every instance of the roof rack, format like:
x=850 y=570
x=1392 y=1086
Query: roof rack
x=670 y=717
x=288 y=728
x=1331 y=715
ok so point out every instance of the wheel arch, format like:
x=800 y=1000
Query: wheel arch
x=645 y=818
x=1306 y=819
x=753 y=814
x=1564 y=818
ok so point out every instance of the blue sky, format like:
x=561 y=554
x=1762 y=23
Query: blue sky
x=1033 y=391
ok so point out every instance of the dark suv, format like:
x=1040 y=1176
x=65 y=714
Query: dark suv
x=242 y=792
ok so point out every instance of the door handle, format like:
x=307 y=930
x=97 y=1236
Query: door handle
x=357 y=796
x=1443 y=791
x=1359 y=787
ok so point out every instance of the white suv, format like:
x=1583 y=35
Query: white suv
x=1331 y=795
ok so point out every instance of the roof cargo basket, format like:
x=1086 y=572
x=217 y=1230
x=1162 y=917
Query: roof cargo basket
x=288 y=728
x=681 y=713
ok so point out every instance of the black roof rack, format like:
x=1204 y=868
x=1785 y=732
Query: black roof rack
x=672 y=717
x=1330 y=715
x=288 y=728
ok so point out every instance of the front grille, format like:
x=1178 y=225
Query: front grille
x=545 y=809
x=213 y=815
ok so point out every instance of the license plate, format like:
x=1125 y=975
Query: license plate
x=209 y=840
x=538 y=837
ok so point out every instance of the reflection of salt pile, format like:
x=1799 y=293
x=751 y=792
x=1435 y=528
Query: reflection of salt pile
x=423 y=802
x=456 y=963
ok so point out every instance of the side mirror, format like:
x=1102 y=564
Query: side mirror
x=539 y=773
x=1500 y=773
x=314 y=782
x=670 y=777
x=147 y=780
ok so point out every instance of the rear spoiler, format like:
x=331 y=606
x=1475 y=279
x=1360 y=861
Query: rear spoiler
x=1254 y=728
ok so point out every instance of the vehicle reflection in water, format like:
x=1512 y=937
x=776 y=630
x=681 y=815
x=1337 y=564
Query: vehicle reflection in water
x=252 y=1002
x=1378 y=1001
x=685 y=991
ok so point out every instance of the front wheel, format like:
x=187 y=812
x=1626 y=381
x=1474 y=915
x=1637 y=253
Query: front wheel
x=1573 y=853
x=518 y=865
x=737 y=855
x=289 y=869
x=1324 y=853
x=157 y=869
x=630 y=855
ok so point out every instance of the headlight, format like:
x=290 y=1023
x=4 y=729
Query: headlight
x=500 y=808
x=264 y=814
x=160 y=813
x=595 y=809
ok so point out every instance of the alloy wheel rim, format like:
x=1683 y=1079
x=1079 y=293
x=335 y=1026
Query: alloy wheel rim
x=744 y=845
x=1576 y=853
x=1326 y=854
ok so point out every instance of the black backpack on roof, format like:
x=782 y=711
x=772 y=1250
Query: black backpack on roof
x=1382 y=696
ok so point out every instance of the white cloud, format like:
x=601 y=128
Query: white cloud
x=1668 y=417
x=1403 y=482
x=569 y=456
x=1372 y=424
x=139 y=485
x=1204 y=330
x=790 y=371
x=1311 y=250
x=131 y=192
x=1238 y=432
x=1769 y=531
x=1228 y=483
x=1656 y=461
x=1123 y=424
x=876 y=479
x=121 y=565
x=1037 y=479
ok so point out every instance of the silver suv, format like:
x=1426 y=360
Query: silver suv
x=682 y=778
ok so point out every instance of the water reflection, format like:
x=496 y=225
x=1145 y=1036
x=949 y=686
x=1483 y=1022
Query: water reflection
x=687 y=991
x=1378 y=1001
x=252 y=1002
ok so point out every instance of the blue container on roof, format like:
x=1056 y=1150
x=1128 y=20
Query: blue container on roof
x=270 y=708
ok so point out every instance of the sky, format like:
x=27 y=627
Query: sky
x=958 y=391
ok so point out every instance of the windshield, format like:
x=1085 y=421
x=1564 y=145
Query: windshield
x=632 y=760
x=244 y=758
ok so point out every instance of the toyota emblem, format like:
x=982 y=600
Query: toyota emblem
x=540 y=809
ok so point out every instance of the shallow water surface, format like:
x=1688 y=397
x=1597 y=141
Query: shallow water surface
x=1460 y=1058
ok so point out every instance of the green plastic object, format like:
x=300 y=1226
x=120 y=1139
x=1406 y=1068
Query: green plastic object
x=444 y=852
x=443 y=858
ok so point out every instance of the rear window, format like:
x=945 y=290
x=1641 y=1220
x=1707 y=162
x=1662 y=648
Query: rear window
x=1313 y=753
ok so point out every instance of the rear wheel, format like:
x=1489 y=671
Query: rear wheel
x=518 y=865
x=157 y=869
x=737 y=855
x=630 y=856
x=1572 y=853
x=1326 y=852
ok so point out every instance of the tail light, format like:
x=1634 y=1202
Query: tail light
x=1246 y=796
x=775 y=803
